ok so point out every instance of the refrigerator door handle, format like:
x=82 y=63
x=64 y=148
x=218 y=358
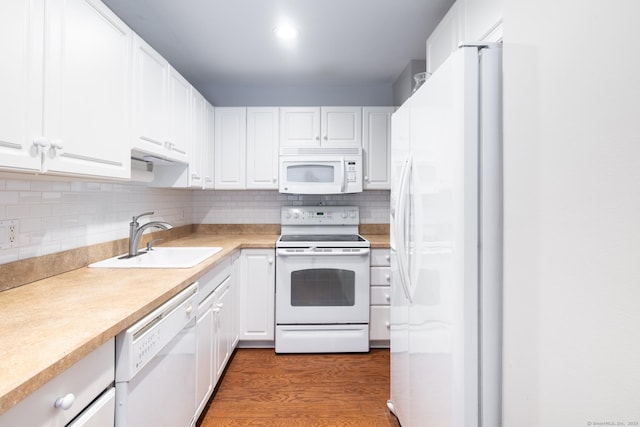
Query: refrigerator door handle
x=400 y=227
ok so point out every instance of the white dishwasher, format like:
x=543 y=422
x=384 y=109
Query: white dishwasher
x=155 y=366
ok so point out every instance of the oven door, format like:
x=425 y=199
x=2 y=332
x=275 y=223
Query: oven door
x=322 y=286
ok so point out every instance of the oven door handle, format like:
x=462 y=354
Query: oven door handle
x=352 y=252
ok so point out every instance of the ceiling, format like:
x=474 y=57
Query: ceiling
x=222 y=46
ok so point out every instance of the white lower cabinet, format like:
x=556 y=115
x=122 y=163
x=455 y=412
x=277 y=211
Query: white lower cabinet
x=85 y=391
x=380 y=277
x=257 y=296
x=216 y=329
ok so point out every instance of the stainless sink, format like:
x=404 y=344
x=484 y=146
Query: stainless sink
x=162 y=257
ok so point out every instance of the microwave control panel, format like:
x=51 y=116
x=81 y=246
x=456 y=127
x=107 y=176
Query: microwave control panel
x=352 y=171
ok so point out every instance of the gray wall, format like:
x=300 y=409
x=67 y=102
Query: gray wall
x=237 y=96
x=403 y=86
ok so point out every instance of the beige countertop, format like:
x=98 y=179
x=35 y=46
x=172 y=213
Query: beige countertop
x=48 y=325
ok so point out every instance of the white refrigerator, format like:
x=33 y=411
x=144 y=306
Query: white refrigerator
x=446 y=246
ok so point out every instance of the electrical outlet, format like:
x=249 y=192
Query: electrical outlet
x=8 y=233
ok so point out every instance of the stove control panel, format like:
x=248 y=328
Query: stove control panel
x=320 y=215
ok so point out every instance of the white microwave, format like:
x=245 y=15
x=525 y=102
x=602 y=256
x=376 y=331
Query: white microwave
x=320 y=170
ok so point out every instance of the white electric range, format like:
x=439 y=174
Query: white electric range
x=322 y=281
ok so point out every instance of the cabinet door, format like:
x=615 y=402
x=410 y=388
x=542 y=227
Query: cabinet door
x=207 y=146
x=223 y=340
x=204 y=353
x=151 y=72
x=300 y=127
x=376 y=145
x=444 y=40
x=180 y=97
x=257 y=294
x=262 y=147
x=197 y=139
x=230 y=147
x=87 y=90
x=21 y=73
x=341 y=126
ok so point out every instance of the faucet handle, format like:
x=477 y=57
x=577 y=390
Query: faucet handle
x=135 y=218
x=150 y=244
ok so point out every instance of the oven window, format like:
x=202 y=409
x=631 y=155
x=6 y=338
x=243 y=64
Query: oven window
x=323 y=287
x=310 y=173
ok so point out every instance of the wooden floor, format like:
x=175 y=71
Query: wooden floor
x=261 y=388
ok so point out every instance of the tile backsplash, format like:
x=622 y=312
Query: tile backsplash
x=263 y=207
x=54 y=215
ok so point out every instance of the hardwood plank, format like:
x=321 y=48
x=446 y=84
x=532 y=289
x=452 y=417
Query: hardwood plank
x=262 y=388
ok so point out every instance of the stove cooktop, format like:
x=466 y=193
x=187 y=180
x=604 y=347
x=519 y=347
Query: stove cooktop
x=326 y=240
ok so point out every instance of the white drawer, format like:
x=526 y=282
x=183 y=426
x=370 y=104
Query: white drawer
x=380 y=257
x=379 y=323
x=212 y=279
x=380 y=295
x=86 y=380
x=380 y=276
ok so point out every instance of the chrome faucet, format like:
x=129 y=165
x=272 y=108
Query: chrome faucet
x=136 y=230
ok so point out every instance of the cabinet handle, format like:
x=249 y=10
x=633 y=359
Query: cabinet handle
x=65 y=402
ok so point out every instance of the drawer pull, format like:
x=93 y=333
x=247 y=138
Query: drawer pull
x=65 y=402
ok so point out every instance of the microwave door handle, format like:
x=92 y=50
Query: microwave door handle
x=344 y=175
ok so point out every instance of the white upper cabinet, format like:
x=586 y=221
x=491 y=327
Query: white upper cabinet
x=484 y=19
x=341 y=126
x=21 y=74
x=376 y=147
x=179 y=108
x=151 y=74
x=262 y=147
x=197 y=156
x=467 y=20
x=299 y=126
x=444 y=40
x=230 y=148
x=82 y=99
x=320 y=126
x=161 y=105
x=208 y=146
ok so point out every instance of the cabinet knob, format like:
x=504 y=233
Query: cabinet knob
x=318 y=138
x=387 y=297
x=387 y=257
x=387 y=324
x=65 y=402
x=57 y=144
x=270 y=261
x=41 y=142
x=220 y=305
x=388 y=277
x=326 y=138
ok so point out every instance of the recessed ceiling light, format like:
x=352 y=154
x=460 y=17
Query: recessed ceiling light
x=285 y=32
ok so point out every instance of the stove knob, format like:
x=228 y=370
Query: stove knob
x=287 y=215
x=352 y=214
x=344 y=214
x=296 y=214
